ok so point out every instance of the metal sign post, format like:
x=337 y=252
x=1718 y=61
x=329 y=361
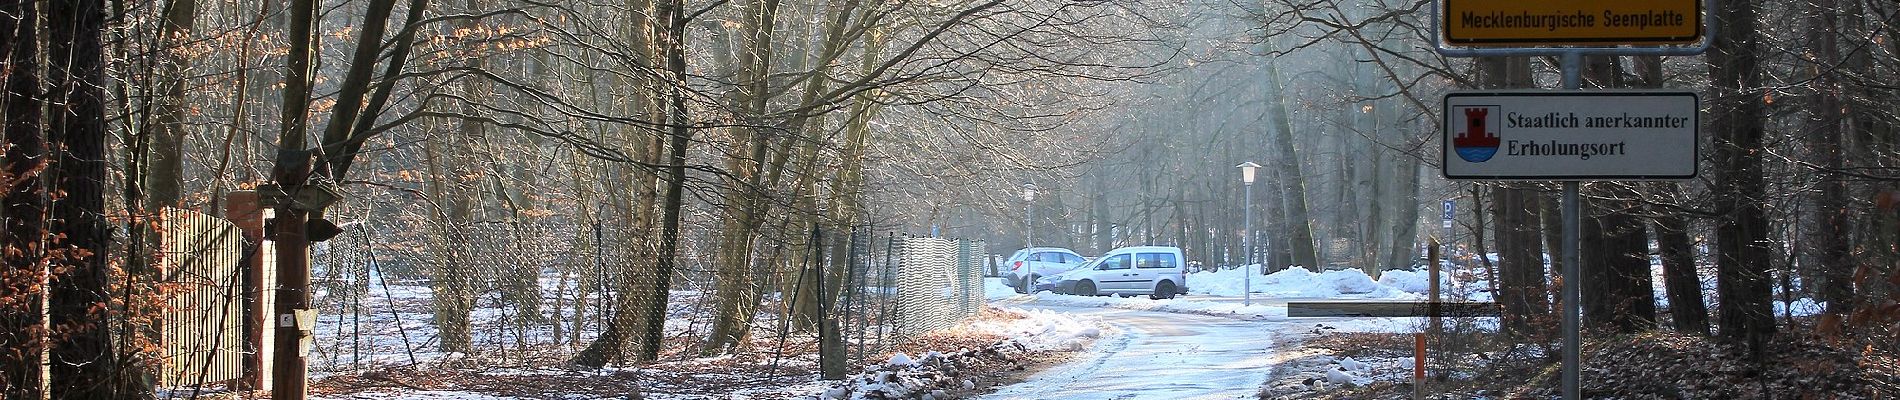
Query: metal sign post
x=1450 y=212
x=1572 y=81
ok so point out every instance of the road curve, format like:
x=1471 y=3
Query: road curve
x=1157 y=355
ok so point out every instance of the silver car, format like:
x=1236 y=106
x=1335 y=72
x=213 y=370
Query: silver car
x=1028 y=265
x=1155 y=271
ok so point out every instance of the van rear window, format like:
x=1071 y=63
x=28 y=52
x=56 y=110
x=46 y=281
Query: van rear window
x=1156 y=261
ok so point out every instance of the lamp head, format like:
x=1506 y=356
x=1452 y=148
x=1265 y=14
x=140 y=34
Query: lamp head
x=1246 y=171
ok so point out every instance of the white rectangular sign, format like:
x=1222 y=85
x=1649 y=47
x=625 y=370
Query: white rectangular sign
x=1594 y=135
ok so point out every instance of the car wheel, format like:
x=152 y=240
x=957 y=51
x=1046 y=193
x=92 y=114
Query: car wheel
x=1165 y=290
x=1029 y=283
x=1085 y=288
x=1018 y=287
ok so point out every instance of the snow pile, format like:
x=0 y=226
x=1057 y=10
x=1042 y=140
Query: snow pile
x=1302 y=282
x=1408 y=281
x=1349 y=372
x=995 y=288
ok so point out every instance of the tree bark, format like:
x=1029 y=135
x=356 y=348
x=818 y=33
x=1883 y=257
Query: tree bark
x=643 y=281
x=166 y=177
x=1828 y=239
x=23 y=213
x=1299 y=232
x=679 y=137
x=737 y=288
x=1687 y=309
x=1405 y=224
x=1684 y=287
x=1742 y=255
x=1617 y=287
x=83 y=363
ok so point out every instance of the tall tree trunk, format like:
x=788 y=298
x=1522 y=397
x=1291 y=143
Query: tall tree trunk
x=83 y=362
x=166 y=176
x=1299 y=232
x=1514 y=215
x=1276 y=250
x=846 y=192
x=1617 y=287
x=738 y=286
x=1369 y=231
x=1680 y=282
x=1741 y=233
x=1828 y=239
x=450 y=278
x=1405 y=224
x=679 y=137
x=1871 y=136
x=642 y=286
x=1098 y=202
x=1684 y=287
x=23 y=213
x=1617 y=290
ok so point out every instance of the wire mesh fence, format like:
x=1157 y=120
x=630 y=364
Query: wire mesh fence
x=535 y=291
x=938 y=284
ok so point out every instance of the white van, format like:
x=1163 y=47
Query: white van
x=1156 y=271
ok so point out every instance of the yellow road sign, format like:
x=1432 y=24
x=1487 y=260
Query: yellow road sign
x=1572 y=22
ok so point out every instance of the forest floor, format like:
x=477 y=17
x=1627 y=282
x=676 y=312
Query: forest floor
x=1652 y=365
x=950 y=364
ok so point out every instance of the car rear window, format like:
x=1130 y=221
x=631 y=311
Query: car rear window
x=1156 y=261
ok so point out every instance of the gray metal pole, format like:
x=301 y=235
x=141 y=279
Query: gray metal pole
x=1573 y=80
x=1573 y=272
x=1246 y=280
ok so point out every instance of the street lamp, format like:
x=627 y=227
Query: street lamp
x=1246 y=177
x=1029 y=235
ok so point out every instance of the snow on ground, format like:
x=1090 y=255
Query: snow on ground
x=1291 y=283
x=1043 y=330
x=934 y=374
x=1212 y=293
